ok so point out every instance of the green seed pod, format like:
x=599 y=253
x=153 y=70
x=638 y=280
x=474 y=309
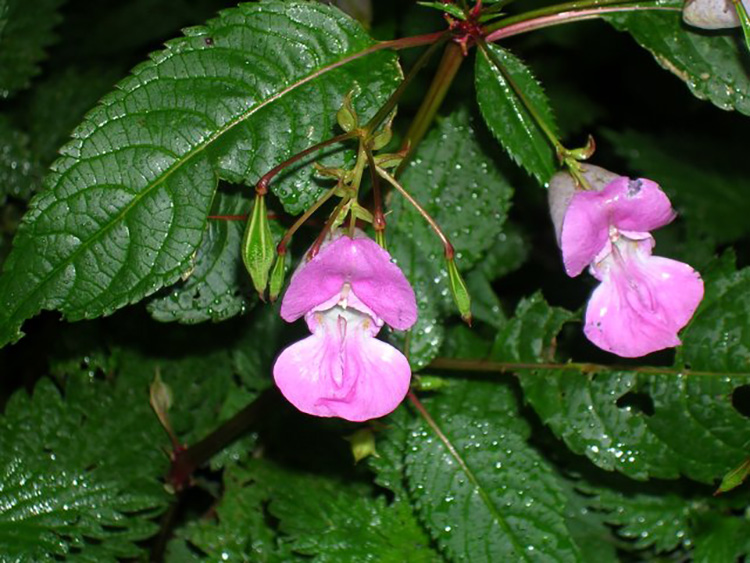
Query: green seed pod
x=460 y=292
x=258 y=249
x=277 y=277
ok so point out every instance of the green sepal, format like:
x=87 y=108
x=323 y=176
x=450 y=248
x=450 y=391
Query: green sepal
x=734 y=478
x=277 y=277
x=459 y=290
x=346 y=116
x=258 y=250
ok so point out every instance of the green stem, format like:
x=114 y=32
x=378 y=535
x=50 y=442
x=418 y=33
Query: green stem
x=447 y=246
x=383 y=112
x=446 y=72
x=562 y=14
x=378 y=218
x=186 y=461
x=326 y=228
x=453 y=364
x=261 y=188
x=281 y=247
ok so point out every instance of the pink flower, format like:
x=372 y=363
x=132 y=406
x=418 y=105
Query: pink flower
x=643 y=300
x=346 y=293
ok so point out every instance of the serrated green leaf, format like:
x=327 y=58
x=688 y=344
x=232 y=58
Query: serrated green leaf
x=125 y=207
x=507 y=116
x=482 y=491
x=504 y=257
x=342 y=521
x=239 y=528
x=456 y=181
x=721 y=539
x=661 y=521
x=707 y=192
x=20 y=172
x=218 y=286
x=711 y=65
x=636 y=422
x=26 y=30
x=80 y=474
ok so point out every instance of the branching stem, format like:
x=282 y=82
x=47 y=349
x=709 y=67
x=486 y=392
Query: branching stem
x=281 y=247
x=186 y=461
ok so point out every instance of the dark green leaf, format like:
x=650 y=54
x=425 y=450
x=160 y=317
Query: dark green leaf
x=125 y=207
x=238 y=530
x=217 y=287
x=80 y=475
x=20 y=173
x=342 y=521
x=508 y=117
x=636 y=422
x=483 y=492
x=721 y=539
x=460 y=187
x=712 y=65
x=25 y=33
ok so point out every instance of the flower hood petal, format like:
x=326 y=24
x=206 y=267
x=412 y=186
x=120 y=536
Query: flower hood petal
x=373 y=278
x=634 y=206
x=641 y=305
x=352 y=376
x=637 y=205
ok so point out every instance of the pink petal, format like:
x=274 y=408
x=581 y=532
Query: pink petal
x=637 y=205
x=585 y=231
x=382 y=286
x=641 y=304
x=375 y=280
x=318 y=280
x=356 y=377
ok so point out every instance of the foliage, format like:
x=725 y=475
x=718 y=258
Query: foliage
x=519 y=441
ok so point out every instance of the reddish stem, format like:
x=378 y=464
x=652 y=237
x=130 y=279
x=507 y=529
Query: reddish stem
x=569 y=16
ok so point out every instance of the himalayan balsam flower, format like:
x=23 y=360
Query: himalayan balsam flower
x=346 y=293
x=643 y=300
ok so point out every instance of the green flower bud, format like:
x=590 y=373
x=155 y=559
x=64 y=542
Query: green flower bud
x=460 y=292
x=258 y=250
